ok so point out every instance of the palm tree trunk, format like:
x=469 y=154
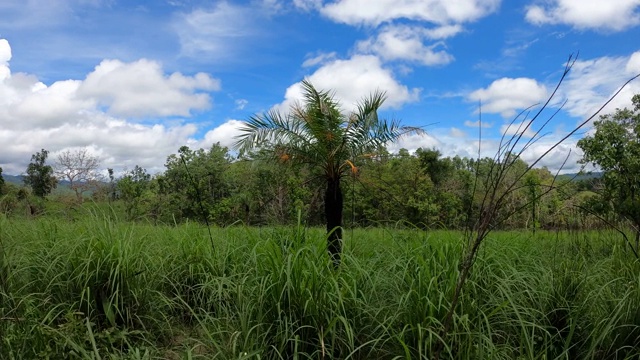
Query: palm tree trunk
x=333 y=203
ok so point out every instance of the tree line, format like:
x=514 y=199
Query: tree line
x=422 y=189
x=259 y=186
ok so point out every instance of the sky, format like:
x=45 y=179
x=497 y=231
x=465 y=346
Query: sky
x=133 y=81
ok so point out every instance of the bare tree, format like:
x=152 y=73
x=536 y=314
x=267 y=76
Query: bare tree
x=79 y=168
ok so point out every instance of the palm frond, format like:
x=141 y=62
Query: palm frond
x=269 y=129
x=317 y=133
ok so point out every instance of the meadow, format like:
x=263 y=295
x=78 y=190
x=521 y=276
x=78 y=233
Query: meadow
x=101 y=288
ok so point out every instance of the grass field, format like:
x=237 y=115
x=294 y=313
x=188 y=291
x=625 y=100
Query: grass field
x=104 y=289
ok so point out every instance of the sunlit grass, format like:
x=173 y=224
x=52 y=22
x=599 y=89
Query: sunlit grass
x=100 y=288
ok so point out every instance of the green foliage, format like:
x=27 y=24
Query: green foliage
x=615 y=149
x=10 y=200
x=384 y=189
x=194 y=180
x=39 y=175
x=272 y=193
x=131 y=187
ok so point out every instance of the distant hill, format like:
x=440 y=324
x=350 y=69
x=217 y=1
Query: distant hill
x=13 y=179
x=581 y=176
x=17 y=180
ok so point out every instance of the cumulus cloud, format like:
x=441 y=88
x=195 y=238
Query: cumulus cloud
x=45 y=106
x=120 y=144
x=91 y=113
x=633 y=65
x=610 y=15
x=225 y=134
x=351 y=80
x=506 y=95
x=401 y=42
x=413 y=142
x=420 y=43
x=142 y=89
x=5 y=57
x=563 y=158
x=374 y=13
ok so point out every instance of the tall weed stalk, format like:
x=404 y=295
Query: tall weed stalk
x=498 y=186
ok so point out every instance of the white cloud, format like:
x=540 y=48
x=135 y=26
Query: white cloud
x=307 y=5
x=367 y=12
x=413 y=142
x=47 y=107
x=5 y=57
x=353 y=79
x=591 y=82
x=453 y=143
x=120 y=144
x=319 y=59
x=142 y=89
x=610 y=15
x=88 y=113
x=443 y=32
x=475 y=124
x=633 y=65
x=457 y=133
x=518 y=128
x=216 y=33
x=273 y=6
x=555 y=159
x=448 y=143
x=400 y=42
x=507 y=95
x=27 y=14
x=225 y=134
x=241 y=103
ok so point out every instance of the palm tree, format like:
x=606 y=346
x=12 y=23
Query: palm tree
x=318 y=134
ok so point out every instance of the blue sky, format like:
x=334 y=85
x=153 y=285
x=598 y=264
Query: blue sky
x=133 y=81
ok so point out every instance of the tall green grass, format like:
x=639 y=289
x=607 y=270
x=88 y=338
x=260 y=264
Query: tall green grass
x=104 y=289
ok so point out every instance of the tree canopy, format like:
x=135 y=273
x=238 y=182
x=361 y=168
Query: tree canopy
x=39 y=175
x=614 y=147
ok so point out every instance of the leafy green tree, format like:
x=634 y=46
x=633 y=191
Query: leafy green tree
x=615 y=149
x=271 y=193
x=200 y=184
x=39 y=175
x=391 y=189
x=532 y=186
x=317 y=134
x=437 y=168
x=112 y=186
x=131 y=187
